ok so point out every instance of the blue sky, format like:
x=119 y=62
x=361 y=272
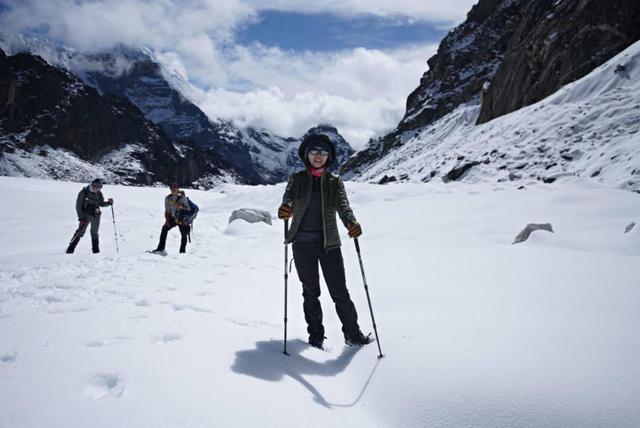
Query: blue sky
x=329 y=32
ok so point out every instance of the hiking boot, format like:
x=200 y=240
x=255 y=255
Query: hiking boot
x=317 y=342
x=95 y=245
x=358 y=339
x=72 y=245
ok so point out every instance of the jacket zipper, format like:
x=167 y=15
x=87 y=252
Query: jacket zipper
x=324 y=226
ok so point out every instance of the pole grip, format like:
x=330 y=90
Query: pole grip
x=286 y=230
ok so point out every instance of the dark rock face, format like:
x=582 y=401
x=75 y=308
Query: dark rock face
x=459 y=171
x=506 y=55
x=257 y=155
x=44 y=106
x=359 y=162
x=386 y=179
x=556 y=43
x=145 y=86
x=467 y=58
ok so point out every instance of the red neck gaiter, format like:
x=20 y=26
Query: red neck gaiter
x=317 y=172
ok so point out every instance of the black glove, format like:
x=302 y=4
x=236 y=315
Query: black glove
x=285 y=212
x=354 y=230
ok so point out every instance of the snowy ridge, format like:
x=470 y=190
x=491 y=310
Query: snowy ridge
x=47 y=162
x=119 y=166
x=167 y=99
x=72 y=132
x=588 y=129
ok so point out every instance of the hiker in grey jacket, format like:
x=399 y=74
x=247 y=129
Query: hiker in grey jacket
x=88 y=205
x=313 y=197
x=174 y=204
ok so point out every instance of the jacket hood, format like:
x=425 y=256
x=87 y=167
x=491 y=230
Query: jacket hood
x=315 y=138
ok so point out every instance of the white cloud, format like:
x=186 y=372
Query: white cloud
x=360 y=91
x=98 y=24
x=452 y=11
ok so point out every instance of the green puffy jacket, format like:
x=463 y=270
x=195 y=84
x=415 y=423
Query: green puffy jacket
x=334 y=199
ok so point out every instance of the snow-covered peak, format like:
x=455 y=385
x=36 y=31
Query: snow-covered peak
x=156 y=84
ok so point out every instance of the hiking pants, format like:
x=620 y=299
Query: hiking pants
x=94 y=221
x=184 y=232
x=307 y=255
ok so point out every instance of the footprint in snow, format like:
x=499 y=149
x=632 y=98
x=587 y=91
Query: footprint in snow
x=165 y=338
x=104 y=384
x=142 y=303
x=116 y=340
x=8 y=357
x=178 y=308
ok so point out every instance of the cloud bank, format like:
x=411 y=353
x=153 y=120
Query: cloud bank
x=361 y=91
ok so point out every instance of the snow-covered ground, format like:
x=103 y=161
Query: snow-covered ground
x=476 y=331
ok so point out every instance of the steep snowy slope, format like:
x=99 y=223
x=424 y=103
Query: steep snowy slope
x=509 y=54
x=589 y=128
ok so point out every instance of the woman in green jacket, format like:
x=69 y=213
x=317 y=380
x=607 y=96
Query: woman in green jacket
x=312 y=197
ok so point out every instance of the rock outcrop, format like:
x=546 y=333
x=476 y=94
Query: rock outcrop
x=506 y=55
x=44 y=109
x=529 y=229
x=555 y=43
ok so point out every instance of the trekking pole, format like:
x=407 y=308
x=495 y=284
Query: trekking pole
x=366 y=289
x=113 y=217
x=286 y=278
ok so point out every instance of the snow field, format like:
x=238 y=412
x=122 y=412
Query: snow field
x=476 y=331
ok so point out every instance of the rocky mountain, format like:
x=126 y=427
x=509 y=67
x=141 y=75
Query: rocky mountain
x=555 y=43
x=506 y=55
x=258 y=155
x=588 y=129
x=254 y=156
x=275 y=158
x=54 y=125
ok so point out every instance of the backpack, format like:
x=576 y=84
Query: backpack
x=187 y=217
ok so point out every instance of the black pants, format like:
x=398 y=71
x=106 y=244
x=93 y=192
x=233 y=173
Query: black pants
x=184 y=232
x=306 y=256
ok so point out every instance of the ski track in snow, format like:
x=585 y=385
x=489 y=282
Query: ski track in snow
x=476 y=331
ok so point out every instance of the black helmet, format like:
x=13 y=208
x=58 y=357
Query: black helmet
x=320 y=141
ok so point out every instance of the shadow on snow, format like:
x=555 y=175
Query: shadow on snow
x=267 y=362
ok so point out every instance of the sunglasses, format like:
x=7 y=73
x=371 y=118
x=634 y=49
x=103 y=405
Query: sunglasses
x=318 y=152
